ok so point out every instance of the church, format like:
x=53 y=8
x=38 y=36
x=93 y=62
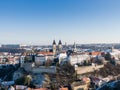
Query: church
x=57 y=49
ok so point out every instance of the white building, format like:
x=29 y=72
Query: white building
x=74 y=59
x=62 y=57
x=116 y=54
x=41 y=59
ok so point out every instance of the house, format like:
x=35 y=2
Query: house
x=42 y=58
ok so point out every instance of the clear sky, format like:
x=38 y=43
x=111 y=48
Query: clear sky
x=41 y=21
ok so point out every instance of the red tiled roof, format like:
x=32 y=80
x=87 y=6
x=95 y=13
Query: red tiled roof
x=45 y=53
x=95 y=53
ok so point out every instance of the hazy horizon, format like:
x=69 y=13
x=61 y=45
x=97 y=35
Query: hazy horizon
x=42 y=21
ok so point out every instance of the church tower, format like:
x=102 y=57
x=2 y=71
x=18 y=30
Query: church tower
x=59 y=46
x=54 y=47
x=112 y=48
x=74 y=47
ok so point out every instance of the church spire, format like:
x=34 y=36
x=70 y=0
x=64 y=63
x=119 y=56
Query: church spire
x=54 y=43
x=59 y=46
x=59 y=42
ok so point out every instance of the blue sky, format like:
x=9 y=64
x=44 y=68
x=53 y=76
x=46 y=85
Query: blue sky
x=41 y=21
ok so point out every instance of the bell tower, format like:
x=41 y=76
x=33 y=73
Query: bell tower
x=60 y=46
x=54 y=47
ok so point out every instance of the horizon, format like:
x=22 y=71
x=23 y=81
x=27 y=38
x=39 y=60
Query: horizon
x=41 y=22
x=63 y=43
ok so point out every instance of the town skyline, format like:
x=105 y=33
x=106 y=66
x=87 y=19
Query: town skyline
x=41 y=22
